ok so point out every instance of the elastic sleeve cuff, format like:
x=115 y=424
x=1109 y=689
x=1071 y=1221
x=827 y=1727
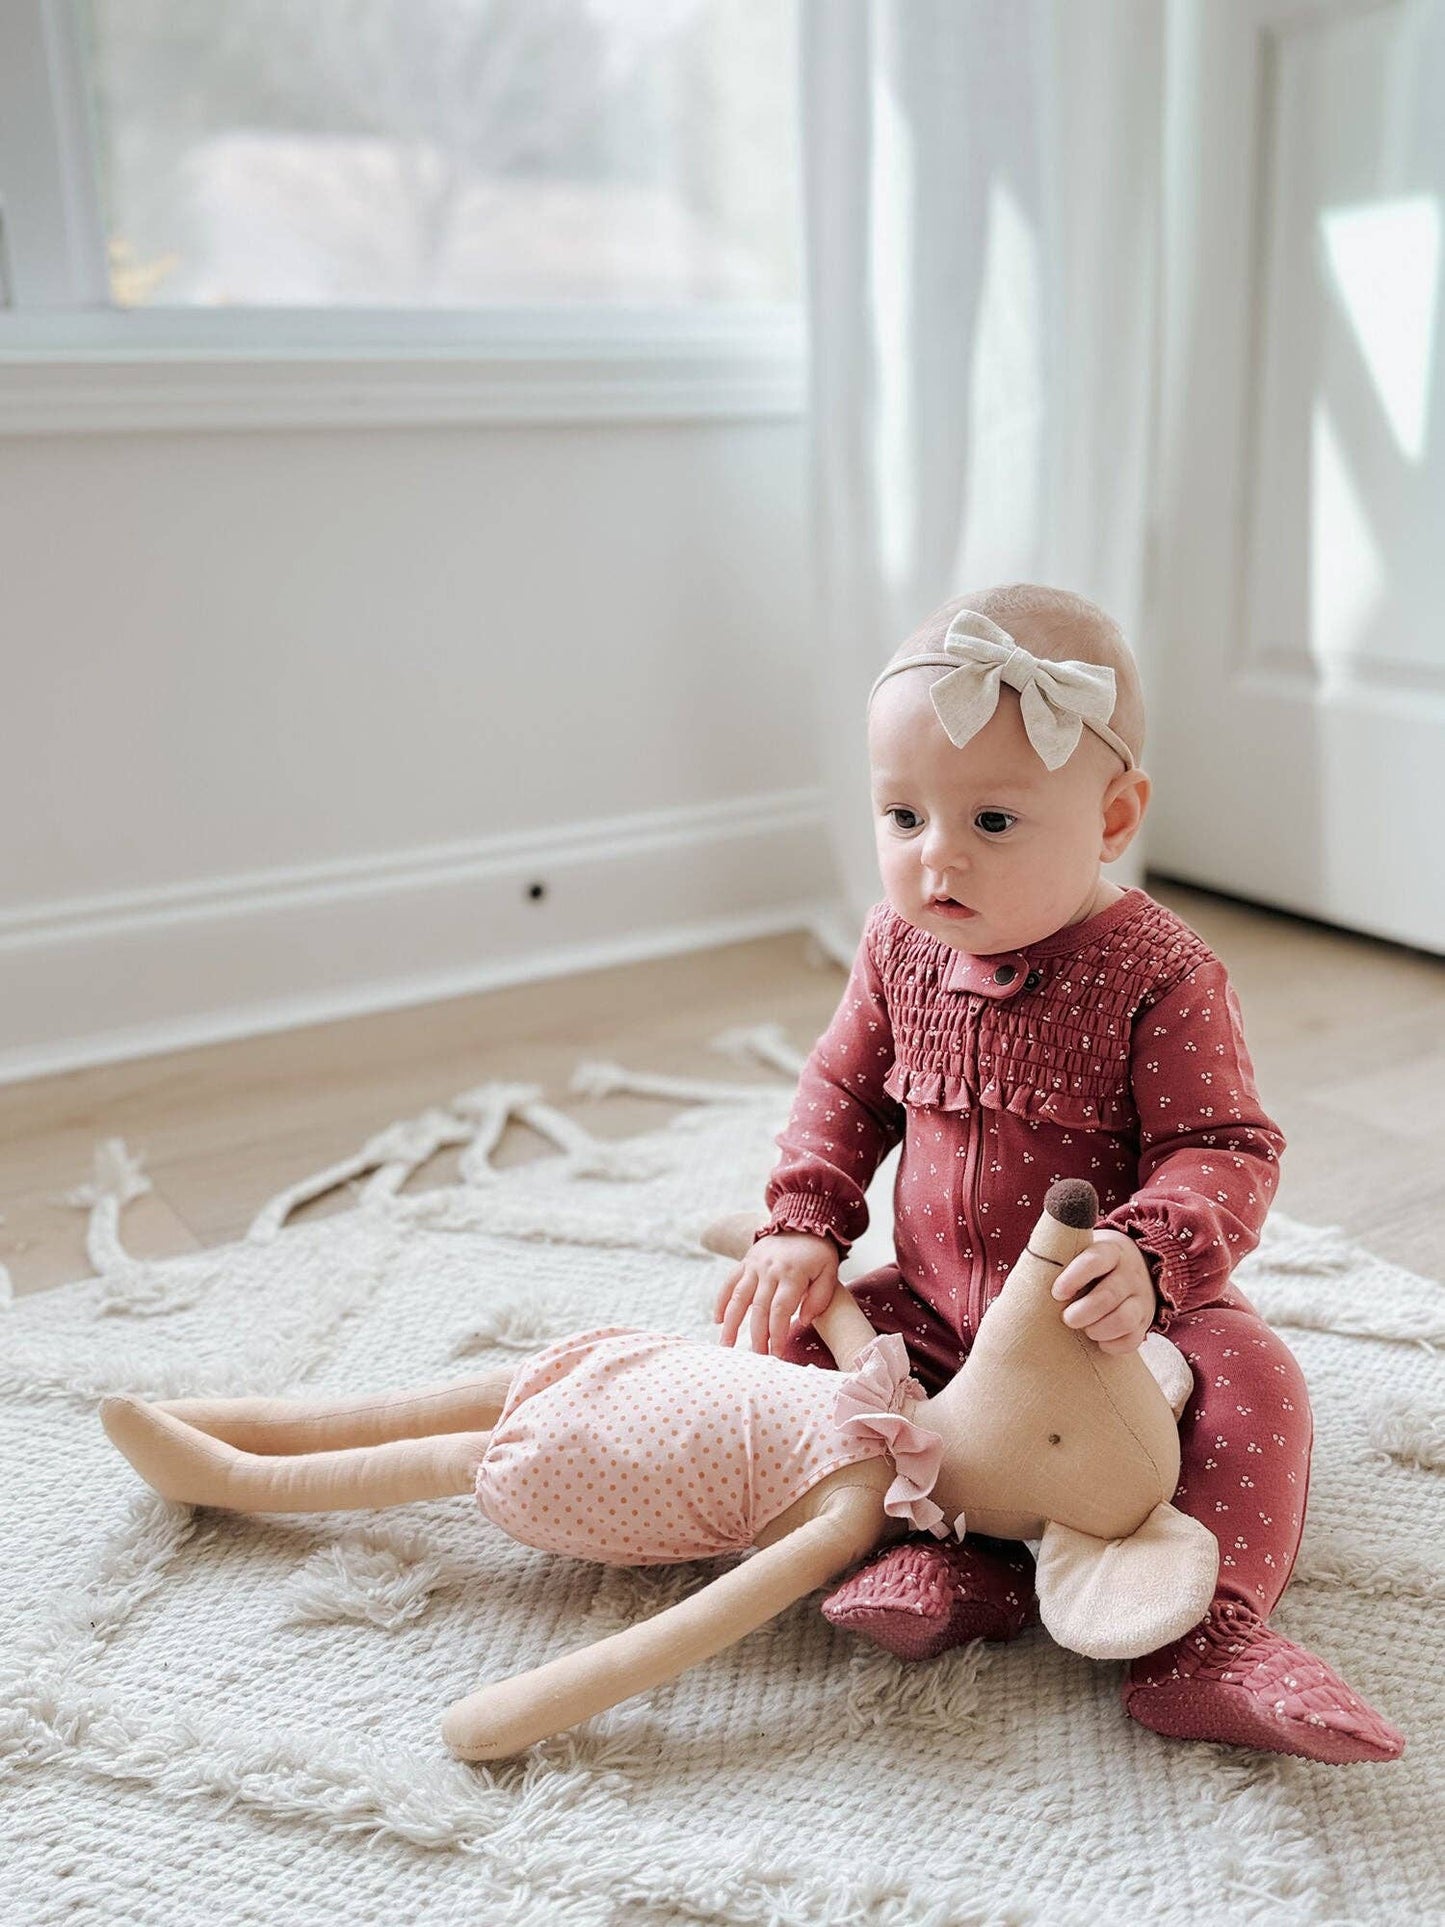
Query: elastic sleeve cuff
x=809 y=1211
x=1166 y=1252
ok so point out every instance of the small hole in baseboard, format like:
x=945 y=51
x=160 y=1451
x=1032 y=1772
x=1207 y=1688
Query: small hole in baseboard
x=536 y=891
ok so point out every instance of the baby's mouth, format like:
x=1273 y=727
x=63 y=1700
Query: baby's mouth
x=950 y=906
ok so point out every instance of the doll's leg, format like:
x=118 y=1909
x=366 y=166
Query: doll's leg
x=192 y=1468
x=313 y=1425
x=1245 y=1439
x=509 y=1715
x=923 y=1595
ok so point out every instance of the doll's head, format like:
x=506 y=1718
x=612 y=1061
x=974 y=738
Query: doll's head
x=981 y=842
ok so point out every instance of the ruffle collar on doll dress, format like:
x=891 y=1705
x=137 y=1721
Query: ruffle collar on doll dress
x=870 y=1405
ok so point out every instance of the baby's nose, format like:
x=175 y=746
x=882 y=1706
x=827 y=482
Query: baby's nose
x=942 y=852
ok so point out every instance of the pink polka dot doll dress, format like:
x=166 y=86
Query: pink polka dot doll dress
x=639 y=1448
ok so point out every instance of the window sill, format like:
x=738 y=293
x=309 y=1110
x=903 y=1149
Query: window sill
x=99 y=372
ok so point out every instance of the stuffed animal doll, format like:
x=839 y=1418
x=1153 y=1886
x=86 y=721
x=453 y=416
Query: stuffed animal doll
x=634 y=1447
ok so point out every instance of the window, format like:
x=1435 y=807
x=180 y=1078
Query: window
x=583 y=191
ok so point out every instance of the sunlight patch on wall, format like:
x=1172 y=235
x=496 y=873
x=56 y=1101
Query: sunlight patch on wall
x=1347 y=575
x=1384 y=259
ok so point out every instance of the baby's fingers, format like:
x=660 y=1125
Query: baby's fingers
x=725 y=1292
x=1086 y=1312
x=1078 y=1275
x=785 y=1303
x=1124 y=1322
x=818 y=1296
x=762 y=1309
x=1119 y=1347
x=737 y=1306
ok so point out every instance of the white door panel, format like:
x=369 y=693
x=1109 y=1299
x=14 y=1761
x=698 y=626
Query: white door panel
x=1299 y=688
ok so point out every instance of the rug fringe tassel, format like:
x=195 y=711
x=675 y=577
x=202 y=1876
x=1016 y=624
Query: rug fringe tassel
x=588 y=1156
x=600 y=1079
x=135 y=1286
x=490 y=1107
x=475 y=1119
x=117 y=1179
x=760 y=1043
x=416 y=1141
x=393 y=1154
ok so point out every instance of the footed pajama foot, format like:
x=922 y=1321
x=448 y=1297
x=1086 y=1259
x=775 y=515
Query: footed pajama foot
x=1234 y=1680
x=920 y=1597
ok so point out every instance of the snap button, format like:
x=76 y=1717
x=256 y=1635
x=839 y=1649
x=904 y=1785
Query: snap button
x=998 y=977
x=1033 y=980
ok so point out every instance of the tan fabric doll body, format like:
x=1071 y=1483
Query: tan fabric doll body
x=635 y=1447
x=488 y=1435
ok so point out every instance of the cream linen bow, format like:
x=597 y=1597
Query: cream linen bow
x=1059 y=699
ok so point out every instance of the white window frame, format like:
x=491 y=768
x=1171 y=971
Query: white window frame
x=72 y=362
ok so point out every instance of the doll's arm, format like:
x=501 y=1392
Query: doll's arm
x=843 y=1328
x=841 y=1325
x=509 y=1715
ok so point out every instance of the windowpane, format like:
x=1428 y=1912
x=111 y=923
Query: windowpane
x=446 y=153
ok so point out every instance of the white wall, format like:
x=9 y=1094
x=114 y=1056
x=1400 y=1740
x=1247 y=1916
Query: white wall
x=291 y=719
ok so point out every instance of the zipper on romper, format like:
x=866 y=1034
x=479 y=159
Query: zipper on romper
x=978 y=1275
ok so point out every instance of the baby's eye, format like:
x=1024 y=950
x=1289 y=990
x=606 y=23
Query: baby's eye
x=899 y=811
x=994 y=822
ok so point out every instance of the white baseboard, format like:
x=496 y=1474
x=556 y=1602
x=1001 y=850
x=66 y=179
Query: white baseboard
x=106 y=978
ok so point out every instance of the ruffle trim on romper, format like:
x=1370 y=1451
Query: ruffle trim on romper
x=1070 y=1097
x=870 y=1405
x=1058 y=1052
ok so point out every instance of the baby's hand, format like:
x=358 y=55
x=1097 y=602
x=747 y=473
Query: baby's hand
x=1119 y=1310
x=787 y=1272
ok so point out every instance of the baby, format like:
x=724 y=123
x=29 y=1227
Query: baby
x=1015 y=1018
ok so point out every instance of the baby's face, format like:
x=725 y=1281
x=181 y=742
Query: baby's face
x=983 y=846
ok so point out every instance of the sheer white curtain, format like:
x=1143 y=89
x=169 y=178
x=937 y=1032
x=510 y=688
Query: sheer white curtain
x=983 y=184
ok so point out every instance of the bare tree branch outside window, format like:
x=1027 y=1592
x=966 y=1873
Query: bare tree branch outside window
x=446 y=153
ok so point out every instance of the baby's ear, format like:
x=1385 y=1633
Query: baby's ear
x=1125 y=801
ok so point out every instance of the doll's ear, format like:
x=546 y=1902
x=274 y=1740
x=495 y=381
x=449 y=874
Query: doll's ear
x=1169 y=1369
x=1118 y=1598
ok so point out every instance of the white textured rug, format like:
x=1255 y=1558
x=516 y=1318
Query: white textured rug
x=213 y=1718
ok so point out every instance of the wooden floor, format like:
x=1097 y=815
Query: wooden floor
x=1347 y=1034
